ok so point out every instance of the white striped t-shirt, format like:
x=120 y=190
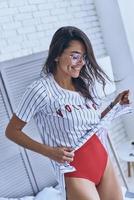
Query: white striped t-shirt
x=62 y=116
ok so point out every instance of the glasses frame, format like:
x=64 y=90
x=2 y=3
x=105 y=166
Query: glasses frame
x=76 y=57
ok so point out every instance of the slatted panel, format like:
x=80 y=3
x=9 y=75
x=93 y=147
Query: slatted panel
x=22 y=71
x=14 y=180
x=4 y=143
x=42 y=170
x=17 y=76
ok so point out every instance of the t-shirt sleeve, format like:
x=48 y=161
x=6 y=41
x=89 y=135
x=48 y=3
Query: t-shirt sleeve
x=32 y=101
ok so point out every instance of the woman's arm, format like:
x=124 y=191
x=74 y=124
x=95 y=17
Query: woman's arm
x=107 y=109
x=14 y=133
x=121 y=98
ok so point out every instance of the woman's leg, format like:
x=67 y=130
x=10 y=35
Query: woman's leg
x=80 y=189
x=109 y=187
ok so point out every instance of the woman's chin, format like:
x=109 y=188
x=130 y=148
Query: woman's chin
x=75 y=75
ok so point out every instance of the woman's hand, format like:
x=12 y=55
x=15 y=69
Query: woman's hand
x=122 y=98
x=61 y=154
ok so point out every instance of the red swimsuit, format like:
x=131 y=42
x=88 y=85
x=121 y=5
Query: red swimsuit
x=90 y=161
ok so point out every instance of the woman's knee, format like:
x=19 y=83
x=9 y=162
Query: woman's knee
x=80 y=189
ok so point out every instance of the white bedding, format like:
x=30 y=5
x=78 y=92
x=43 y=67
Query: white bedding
x=48 y=193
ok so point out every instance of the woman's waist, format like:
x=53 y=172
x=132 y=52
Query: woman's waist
x=71 y=138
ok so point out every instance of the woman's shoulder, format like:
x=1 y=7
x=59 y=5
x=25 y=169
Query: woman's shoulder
x=37 y=86
x=41 y=81
x=36 y=83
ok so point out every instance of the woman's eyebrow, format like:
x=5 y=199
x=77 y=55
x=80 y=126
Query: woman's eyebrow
x=76 y=52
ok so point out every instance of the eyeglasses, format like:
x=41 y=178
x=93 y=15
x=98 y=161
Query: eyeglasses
x=76 y=57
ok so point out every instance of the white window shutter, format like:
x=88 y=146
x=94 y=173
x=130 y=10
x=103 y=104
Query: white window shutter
x=14 y=178
x=17 y=76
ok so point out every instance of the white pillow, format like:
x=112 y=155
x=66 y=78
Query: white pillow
x=48 y=193
x=22 y=198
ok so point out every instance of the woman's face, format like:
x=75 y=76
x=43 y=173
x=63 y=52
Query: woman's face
x=71 y=61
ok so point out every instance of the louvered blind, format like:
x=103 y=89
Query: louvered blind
x=17 y=76
x=14 y=179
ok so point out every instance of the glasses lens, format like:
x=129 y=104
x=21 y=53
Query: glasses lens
x=76 y=57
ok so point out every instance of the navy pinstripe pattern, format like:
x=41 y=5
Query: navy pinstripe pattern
x=63 y=116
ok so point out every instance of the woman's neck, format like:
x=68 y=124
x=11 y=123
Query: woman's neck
x=65 y=82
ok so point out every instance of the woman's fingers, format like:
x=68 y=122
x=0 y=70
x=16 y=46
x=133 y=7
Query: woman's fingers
x=125 y=97
x=63 y=154
x=119 y=97
x=67 y=159
x=125 y=94
x=68 y=155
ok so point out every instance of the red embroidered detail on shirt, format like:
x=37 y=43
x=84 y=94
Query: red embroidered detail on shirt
x=77 y=107
x=59 y=112
x=68 y=108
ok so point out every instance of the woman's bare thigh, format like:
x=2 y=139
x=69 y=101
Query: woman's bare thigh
x=80 y=189
x=109 y=187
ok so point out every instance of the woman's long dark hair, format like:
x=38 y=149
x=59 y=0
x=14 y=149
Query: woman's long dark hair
x=90 y=72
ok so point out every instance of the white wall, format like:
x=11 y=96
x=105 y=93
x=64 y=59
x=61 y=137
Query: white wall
x=26 y=27
x=116 y=42
x=127 y=14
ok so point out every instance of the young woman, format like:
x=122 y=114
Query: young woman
x=63 y=104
